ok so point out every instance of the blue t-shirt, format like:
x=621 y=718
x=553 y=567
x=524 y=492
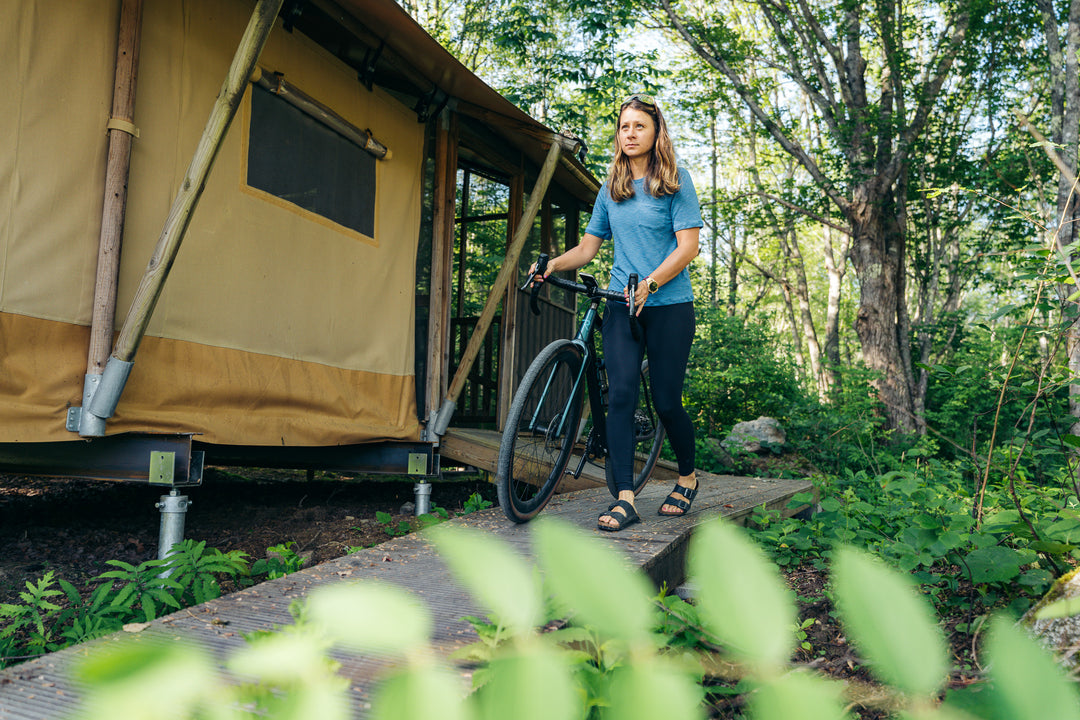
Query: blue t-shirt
x=644 y=229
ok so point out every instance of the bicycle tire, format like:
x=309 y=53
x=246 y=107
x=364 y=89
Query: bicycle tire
x=648 y=437
x=540 y=431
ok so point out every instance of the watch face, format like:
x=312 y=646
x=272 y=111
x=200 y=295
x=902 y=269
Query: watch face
x=653 y=285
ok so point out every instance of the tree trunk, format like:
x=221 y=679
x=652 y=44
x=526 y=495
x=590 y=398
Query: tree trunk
x=836 y=271
x=806 y=318
x=877 y=253
x=1065 y=127
x=714 y=297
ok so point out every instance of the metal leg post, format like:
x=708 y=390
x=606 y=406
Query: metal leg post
x=422 y=492
x=173 y=508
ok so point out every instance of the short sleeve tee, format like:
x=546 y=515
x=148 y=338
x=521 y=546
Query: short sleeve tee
x=644 y=228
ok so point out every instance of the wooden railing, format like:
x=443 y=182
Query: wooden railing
x=478 y=403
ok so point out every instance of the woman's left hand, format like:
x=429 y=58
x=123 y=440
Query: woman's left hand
x=639 y=298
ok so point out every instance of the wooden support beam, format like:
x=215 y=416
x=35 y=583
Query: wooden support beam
x=444 y=192
x=509 y=267
x=117 y=169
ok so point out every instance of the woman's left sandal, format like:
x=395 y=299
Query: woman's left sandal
x=682 y=504
x=622 y=521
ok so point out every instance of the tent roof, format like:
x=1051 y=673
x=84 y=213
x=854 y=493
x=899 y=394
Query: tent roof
x=412 y=62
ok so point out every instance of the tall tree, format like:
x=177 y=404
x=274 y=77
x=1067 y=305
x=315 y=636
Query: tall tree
x=1064 y=79
x=873 y=75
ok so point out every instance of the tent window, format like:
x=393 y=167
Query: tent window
x=298 y=159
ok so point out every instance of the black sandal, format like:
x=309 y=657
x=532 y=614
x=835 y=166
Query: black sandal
x=674 y=501
x=623 y=521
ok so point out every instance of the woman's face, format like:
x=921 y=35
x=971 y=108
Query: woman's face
x=637 y=133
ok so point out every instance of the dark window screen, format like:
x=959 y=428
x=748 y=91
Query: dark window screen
x=296 y=158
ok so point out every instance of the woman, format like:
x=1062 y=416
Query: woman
x=649 y=206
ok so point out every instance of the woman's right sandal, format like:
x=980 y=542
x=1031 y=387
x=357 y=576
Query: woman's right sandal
x=674 y=500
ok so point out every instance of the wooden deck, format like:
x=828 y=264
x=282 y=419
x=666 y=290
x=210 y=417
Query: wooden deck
x=43 y=689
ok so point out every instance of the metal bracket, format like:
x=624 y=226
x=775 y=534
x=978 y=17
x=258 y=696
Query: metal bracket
x=430 y=104
x=162 y=467
x=418 y=464
x=367 y=69
x=290 y=13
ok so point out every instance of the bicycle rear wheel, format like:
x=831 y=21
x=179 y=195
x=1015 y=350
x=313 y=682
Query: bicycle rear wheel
x=540 y=432
x=648 y=437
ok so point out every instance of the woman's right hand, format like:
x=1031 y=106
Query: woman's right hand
x=538 y=278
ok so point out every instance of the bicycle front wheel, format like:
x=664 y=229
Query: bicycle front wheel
x=540 y=432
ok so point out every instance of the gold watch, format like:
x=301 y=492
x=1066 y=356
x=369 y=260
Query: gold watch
x=652 y=285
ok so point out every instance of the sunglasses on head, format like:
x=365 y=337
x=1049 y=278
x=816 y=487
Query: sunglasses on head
x=641 y=98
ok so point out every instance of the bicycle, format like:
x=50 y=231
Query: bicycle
x=545 y=425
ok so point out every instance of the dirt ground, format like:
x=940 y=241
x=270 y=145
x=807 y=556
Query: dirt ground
x=73 y=526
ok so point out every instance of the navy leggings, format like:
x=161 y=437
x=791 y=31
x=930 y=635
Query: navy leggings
x=666 y=334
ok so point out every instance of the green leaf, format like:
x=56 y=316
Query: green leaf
x=1049 y=546
x=891 y=623
x=743 y=601
x=282 y=658
x=1027 y=680
x=142 y=681
x=371 y=616
x=532 y=684
x=492 y=573
x=993 y=564
x=651 y=688
x=1071 y=439
x=796 y=695
x=1008 y=308
x=149 y=609
x=595 y=580
x=419 y=694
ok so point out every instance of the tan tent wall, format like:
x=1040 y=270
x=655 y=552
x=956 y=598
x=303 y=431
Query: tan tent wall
x=274 y=328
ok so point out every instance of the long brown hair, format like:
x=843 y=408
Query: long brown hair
x=662 y=173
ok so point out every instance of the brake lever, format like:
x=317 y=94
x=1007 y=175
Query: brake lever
x=541 y=266
x=631 y=294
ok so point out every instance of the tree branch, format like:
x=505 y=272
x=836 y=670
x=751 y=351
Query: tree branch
x=790 y=146
x=929 y=92
x=797 y=208
x=827 y=105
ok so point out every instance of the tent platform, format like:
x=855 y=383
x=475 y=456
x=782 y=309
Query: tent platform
x=43 y=688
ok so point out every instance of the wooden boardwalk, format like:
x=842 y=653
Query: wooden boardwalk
x=43 y=689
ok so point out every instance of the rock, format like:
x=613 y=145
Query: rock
x=756 y=436
x=408 y=508
x=1061 y=635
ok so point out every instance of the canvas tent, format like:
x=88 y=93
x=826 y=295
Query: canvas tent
x=290 y=319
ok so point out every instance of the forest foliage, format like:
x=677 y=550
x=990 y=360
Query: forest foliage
x=887 y=268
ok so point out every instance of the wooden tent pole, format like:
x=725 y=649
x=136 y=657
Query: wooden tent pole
x=103 y=404
x=121 y=133
x=509 y=266
x=116 y=179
